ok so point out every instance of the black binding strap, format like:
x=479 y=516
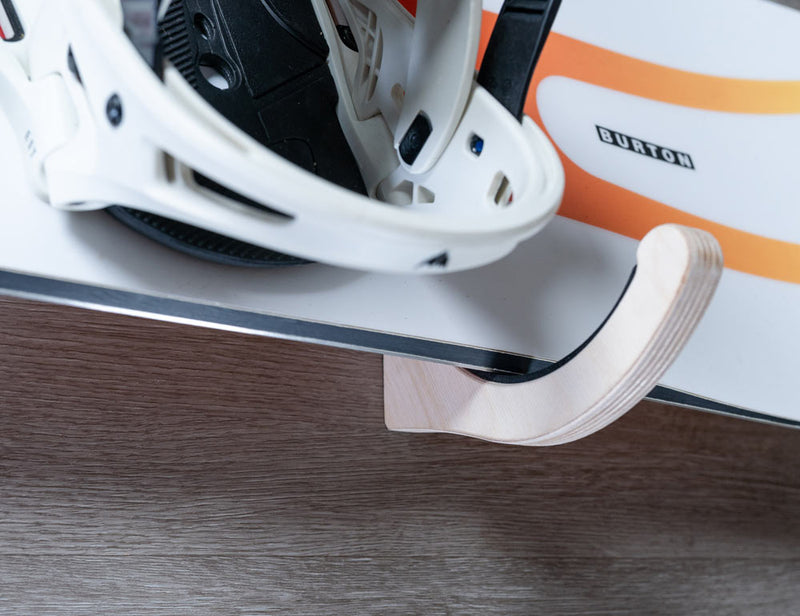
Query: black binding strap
x=514 y=49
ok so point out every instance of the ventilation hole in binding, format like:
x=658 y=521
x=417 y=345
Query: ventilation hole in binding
x=425 y=195
x=375 y=67
x=204 y=26
x=217 y=71
x=402 y=194
x=218 y=188
x=347 y=37
x=343 y=28
x=73 y=66
x=415 y=138
x=500 y=191
x=440 y=260
x=170 y=167
x=372 y=54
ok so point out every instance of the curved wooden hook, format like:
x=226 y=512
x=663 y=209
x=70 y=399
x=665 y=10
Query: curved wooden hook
x=677 y=272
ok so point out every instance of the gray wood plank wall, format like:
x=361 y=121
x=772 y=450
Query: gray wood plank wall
x=149 y=468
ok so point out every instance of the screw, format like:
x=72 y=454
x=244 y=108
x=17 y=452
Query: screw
x=73 y=66
x=114 y=110
x=476 y=145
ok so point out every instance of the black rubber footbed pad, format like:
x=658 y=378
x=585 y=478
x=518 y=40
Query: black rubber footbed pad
x=272 y=57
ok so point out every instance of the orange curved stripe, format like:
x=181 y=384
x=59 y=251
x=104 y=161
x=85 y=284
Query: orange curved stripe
x=600 y=203
x=603 y=204
x=576 y=59
x=487 y=27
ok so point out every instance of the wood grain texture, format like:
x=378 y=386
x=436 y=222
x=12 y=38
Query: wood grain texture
x=148 y=468
x=677 y=272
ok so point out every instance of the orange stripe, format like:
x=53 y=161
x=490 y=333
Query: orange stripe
x=600 y=203
x=579 y=60
x=487 y=27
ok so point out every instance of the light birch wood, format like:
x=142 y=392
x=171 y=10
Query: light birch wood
x=678 y=269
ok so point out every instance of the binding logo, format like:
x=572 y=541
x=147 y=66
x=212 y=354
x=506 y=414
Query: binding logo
x=645 y=148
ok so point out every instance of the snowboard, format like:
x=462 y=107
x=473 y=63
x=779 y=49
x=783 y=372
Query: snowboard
x=678 y=112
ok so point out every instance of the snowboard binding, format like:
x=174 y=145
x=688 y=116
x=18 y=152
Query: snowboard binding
x=341 y=131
